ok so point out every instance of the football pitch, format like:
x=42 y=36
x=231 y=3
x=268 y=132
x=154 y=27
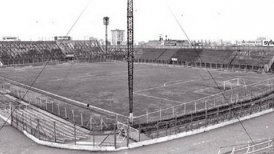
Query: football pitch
x=104 y=85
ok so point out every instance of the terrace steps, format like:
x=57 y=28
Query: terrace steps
x=167 y=54
x=44 y=126
x=152 y=54
x=260 y=57
x=67 y=128
x=63 y=131
x=216 y=56
x=29 y=114
x=189 y=55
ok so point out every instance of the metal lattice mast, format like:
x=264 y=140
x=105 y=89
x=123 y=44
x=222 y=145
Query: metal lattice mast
x=130 y=55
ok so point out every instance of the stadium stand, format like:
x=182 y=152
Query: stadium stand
x=189 y=55
x=254 y=58
x=167 y=54
x=152 y=54
x=216 y=56
x=138 y=53
x=81 y=49
x=117 y=52
x=27 y=52
x=12 y=52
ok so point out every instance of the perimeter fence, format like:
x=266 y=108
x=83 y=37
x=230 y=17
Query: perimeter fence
x=218 y=66
x=84 y=115
x=35 y=111
x=233 y=96
x=52 y=129
x=258 y=147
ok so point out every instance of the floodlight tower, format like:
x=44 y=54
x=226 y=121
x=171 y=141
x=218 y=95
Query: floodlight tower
x=106 y=23
x=130 y=55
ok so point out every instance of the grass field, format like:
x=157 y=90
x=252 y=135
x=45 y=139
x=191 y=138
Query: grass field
x=104 y=85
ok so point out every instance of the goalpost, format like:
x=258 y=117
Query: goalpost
x=232 y=83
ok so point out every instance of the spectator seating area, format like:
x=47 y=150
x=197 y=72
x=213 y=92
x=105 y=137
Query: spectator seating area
x=81 y=49
x=21 y=52
x=253 y=57
x=117 y=52
x=225 y=56
x=216 y=56
x=29 y=50
x=167 y=54
x=188 y=55
x=152 y=54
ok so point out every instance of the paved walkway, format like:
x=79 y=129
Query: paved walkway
x=14 y=142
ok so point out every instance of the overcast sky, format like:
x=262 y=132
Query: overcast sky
x=202 y=19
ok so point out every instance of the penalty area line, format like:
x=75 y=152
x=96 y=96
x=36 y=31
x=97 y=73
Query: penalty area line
x=164 y=85
x=159 y=98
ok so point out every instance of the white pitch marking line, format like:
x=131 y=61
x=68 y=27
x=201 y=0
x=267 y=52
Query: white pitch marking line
x=53 y=80
x=158 y=98
x=176 y=83
x=164 y=85
x=202 y=142
x=201 y=91
x=111 y=73
x=248 y=77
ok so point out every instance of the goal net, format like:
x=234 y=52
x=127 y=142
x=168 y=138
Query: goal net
x=233 y=83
